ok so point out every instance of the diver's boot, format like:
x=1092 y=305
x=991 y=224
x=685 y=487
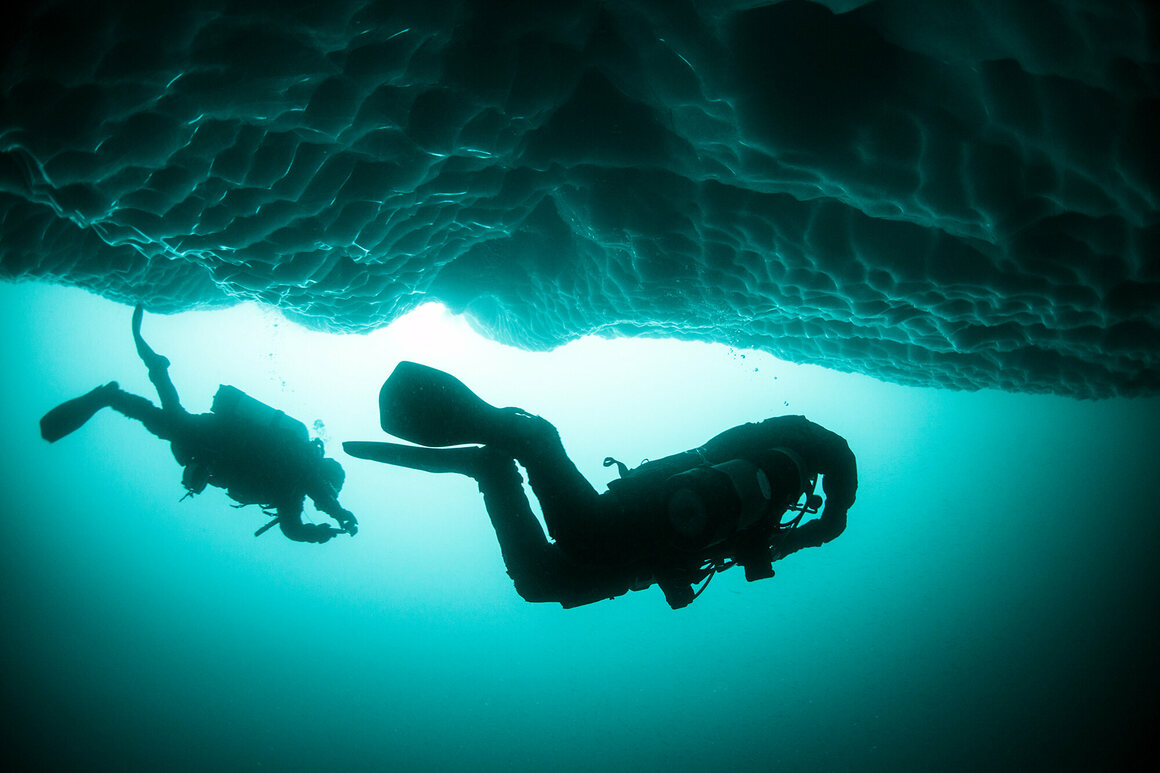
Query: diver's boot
x=468 y=460
x=70 y=416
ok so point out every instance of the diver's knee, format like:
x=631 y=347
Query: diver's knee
x=493 y=468
x=533 y=589
x=525 y=432
x=537 y=426
x=158 y=365
x=535 y=572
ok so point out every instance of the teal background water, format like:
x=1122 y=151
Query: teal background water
x=992 y=605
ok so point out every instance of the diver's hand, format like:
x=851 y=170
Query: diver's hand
x=318 y=533
x=347 y=523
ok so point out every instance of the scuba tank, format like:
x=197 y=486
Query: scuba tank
x=712 y=503
x=267 y=426
x=706 y=505
x=262 y=453
x=719 y=515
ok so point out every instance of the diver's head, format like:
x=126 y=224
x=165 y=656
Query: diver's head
x=332 y=473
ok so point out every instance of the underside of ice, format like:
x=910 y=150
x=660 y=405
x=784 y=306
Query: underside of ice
x=958 y=194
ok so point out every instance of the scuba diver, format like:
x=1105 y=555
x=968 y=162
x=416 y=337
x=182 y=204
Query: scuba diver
x=673 y=522
x=258 y=454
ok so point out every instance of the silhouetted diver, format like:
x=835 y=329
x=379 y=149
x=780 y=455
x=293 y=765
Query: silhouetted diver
x=257 y=453
x=673 y=522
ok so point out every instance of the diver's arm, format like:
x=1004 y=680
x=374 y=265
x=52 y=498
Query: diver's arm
x=328 y=503
x=290 y=521
x=826 y=453
x=829 y=454
x=813 y=533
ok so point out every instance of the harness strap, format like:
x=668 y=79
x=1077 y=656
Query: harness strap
x=621 y=467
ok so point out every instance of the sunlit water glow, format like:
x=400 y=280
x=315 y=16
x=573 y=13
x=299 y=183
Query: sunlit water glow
x=992 y=602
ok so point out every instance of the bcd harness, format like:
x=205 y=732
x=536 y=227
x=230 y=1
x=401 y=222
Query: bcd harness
x=721 y=514
x=260 y=443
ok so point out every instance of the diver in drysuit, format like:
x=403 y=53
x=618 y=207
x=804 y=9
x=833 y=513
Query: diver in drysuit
x=672 y=522
x=258 y=454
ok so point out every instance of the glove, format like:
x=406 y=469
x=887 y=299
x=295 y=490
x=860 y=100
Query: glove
x=320 y=532
x=348 y=522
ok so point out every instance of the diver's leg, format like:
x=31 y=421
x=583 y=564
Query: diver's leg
x=570 y=504
x=71 y=415
x=540 y=571
x=161 y=423
x=157 y=364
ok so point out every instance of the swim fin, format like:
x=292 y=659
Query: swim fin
x=433 y=408
x=71 y=415
x=461 y=460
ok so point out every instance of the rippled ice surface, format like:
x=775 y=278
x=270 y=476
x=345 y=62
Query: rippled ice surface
x=960 y=193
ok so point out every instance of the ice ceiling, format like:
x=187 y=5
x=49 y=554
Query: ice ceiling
x=954 y=193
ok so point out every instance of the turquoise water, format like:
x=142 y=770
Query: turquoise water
x=992 y=604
